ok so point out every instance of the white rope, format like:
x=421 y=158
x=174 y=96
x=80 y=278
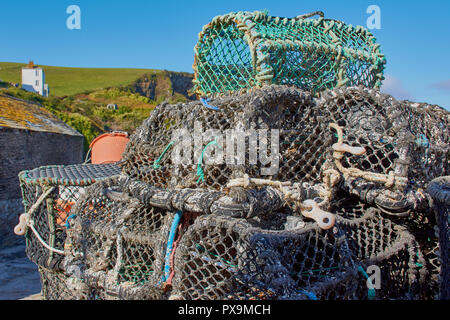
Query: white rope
x=31 y=225
x=308 y=208
x=25 y=217
x=25 y=221
x=245 y=181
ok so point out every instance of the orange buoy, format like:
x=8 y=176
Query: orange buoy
x=63 y=209
x=108 y=147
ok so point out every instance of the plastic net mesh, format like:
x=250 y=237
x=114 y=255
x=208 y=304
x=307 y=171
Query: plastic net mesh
x=440 y=191
x=51 y=216
x=54 y=286
x=244 y=49
x=248 y=111
x=118 y=242
x=160 y=231
x=179 y=223
x=49 y=193
x=406 y=145
x=219 y=257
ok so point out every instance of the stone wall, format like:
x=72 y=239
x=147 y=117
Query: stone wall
x=25 y=149
x=22 y=150
x=9 y=218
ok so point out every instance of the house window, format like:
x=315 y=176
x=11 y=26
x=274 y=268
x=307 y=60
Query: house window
x=37 y=73
x=37 y=82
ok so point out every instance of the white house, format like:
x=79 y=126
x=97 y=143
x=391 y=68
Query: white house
x=33 y=79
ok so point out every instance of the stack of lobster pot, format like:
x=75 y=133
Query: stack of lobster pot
x=326 y=193
x=292 y=177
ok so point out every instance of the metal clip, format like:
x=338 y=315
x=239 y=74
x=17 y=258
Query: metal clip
x=324 y=219
x=22 y=226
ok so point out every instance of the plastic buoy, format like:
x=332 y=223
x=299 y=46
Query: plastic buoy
x=108 y=147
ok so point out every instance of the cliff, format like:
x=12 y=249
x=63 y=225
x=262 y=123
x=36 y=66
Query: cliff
x=166 y=85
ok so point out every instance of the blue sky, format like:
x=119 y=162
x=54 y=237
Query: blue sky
x=414 y=35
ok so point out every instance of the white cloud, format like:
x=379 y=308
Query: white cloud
x=394 y=87
x=442 y=85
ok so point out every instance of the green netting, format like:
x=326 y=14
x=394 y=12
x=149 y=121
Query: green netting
x=242 y=50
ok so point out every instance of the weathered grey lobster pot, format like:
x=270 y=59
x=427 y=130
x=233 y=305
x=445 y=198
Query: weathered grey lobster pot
x=220 y=258
x=405 y=144
x=440 y=191
x=118 y=248
x=116 y=244
x=48 y=195
x=206 y=230
x=122 y=238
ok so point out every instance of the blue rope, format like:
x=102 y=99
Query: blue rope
x=173 y=230
x=309 y=294
x=67 y=225
x=200 y=172
x=419 y=265
x=205 y=103
x=422 y=141
x=370 y=291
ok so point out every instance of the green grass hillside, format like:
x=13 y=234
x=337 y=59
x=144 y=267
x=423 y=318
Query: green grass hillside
x=65 y=81
x=79 y=96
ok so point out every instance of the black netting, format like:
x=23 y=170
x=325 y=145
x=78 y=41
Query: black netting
x=222 y=258
x=440 y=191
x=117 y=240
x=348 y=194
x=401 y=154
x=51 y=217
